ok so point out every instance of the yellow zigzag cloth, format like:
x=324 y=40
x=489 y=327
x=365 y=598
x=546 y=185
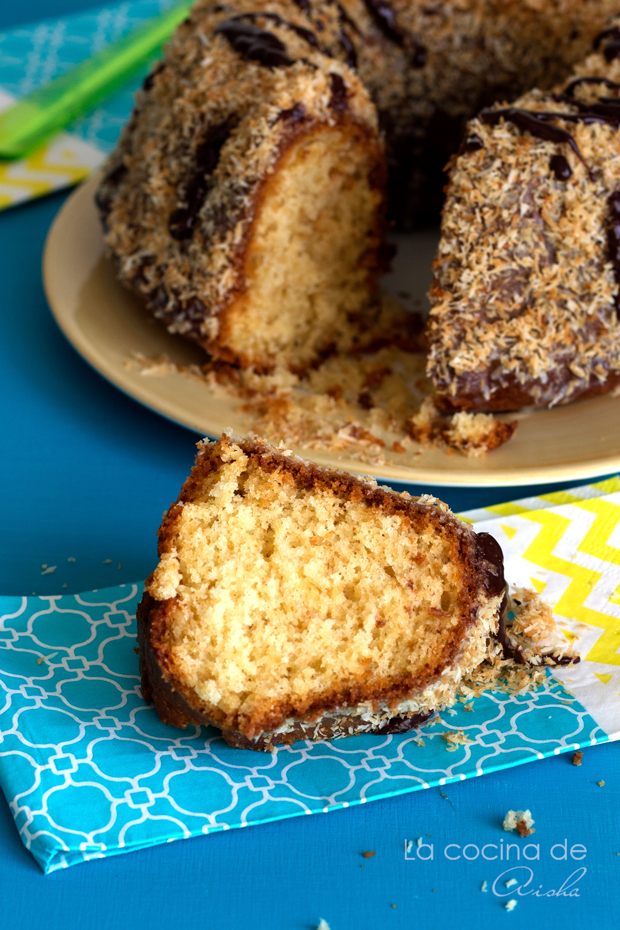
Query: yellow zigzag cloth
x=567 y=545
x=60 y=163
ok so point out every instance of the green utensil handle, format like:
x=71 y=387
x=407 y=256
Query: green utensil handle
x=46 y=111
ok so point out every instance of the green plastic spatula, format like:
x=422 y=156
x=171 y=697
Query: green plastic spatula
x=43 y=113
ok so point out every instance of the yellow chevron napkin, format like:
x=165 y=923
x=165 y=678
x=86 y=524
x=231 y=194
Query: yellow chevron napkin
x=63 y=161
x=566 y=546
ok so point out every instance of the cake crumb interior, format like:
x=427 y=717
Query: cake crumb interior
x=286 y=593
x=312 y=250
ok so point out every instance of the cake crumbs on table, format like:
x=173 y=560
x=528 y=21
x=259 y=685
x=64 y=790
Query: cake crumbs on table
x=577 y=757
x=521 y=821
x=446 y=798
x=369 y=854
x=484 y=886
x=455 y=738
x=601 y=783
x=43 y=659
x=510 y=905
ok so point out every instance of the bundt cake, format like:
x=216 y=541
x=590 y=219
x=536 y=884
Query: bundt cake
x=246 y=198
x=525 y=302
x=292 y=601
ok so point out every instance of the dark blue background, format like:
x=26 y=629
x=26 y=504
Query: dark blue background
x=86 y=473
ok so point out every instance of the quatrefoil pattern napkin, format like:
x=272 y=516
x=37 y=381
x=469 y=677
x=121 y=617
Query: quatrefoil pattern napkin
x=88 y=769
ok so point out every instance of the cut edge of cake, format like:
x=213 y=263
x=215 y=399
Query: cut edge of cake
x=462 y=636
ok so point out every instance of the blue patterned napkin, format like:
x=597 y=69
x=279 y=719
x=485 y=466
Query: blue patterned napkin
x=89 y=770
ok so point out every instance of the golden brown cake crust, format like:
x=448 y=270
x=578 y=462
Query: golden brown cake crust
x=481 y=585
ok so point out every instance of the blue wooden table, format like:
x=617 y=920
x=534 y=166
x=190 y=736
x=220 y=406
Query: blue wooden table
x=86 y=473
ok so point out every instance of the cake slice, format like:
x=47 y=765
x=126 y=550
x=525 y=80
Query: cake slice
x=292 y=601
x=245 y=200
x=526 y=297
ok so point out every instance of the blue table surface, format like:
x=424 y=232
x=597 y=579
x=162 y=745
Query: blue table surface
x=86 y=473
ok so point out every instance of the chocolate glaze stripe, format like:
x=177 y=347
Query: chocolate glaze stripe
x=149 y=80
x=471 y=143
x=538 y=125
x=490 y=551
x=295 y=114
x=105 y=195
x=560 y=167
x=605 y=110
x=339 y=99
x=613 y=241
x=612 y=49
x=402 y=724
x=306 y=34
x=570 y=90
x=344 y=20
x=385 y=20
x=182 y=221
x=254 y=44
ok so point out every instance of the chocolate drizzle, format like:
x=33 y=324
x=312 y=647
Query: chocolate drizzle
x=570 y=90
x=560 y=167
x=149 y=80
x=255 y=44
x=539 y=126
x=385 y=20
x=605 y=110
x=306 y=34
x=349 y=49
x=613 y=241
x=339 y=99
x=502 y=637
x=182 y=221
x=347 y=44
x=402 y=724
x=295 y=114
x=612 y=49
x=105 y=193
x=490 y=551
x=472 y=143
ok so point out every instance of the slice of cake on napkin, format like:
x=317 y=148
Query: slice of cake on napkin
x=298 y=602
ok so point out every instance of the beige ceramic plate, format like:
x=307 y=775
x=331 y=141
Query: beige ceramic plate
x=106 y=324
